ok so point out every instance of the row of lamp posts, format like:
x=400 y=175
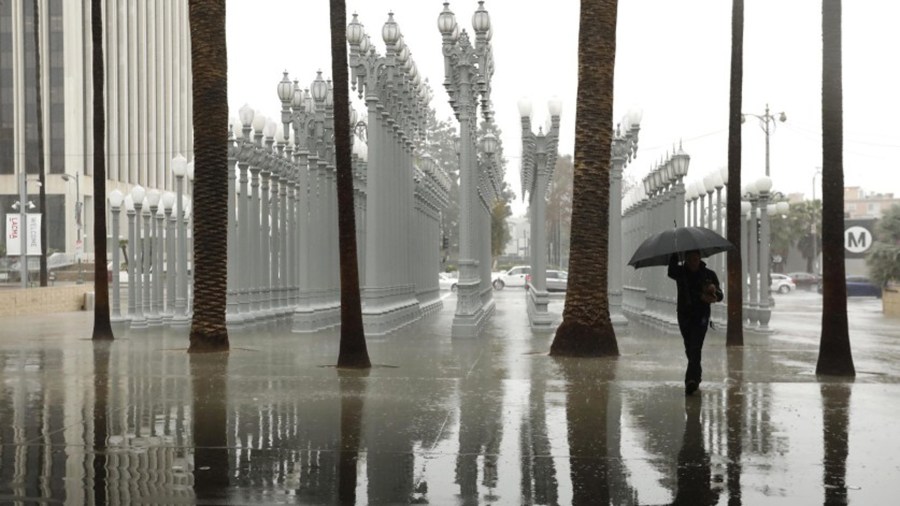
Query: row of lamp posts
x=539 y=152
x=158 y=282
x=468 y=70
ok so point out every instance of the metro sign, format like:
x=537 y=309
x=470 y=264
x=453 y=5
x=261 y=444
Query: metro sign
x=858 y=237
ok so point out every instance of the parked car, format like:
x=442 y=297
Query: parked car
x=804 y=280
x=859 y=286
x=781 y=283
x=447 y=280
x=513 y=277
x=557 y=281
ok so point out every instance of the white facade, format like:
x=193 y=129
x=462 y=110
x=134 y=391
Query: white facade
x=147 y=94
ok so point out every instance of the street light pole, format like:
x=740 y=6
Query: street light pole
x=767 y=123
x=815 y=254
x=79 y=250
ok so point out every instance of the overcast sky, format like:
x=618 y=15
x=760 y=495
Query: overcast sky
x=672 y=61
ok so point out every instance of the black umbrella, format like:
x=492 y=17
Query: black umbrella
x=657 y=249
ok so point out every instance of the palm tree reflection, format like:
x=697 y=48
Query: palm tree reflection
x=734 y=416
x=101 y=351
x=836 y=419
x=209 y=375
x=353 y=393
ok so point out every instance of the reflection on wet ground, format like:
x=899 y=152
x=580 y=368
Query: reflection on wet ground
x=442 y=421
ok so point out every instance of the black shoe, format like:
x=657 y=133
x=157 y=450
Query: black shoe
x=690 y=387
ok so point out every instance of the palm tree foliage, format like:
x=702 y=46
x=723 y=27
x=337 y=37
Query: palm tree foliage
x=884 y=257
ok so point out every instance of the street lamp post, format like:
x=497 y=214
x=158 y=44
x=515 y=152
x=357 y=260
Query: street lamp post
x=624 y=149
x=115 y=205
x=179 y=318
x=813 y=227
x=168 y=201
x=132 y=242
x=539 y=154
x=468 y=70
x=763 y=187
x=151 y=249
x=138 y=320
x=78 y=224
x=767 y=121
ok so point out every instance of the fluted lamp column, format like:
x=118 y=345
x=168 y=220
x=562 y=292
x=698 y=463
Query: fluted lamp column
x=115 y=205
x=138 y=320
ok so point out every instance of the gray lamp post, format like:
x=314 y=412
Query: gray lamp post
x=232 y=306
x=468 y=70
x=138 y=319
x=115 y=205
x=179 y=318
x=624 y=148
x=745 y=256
x=132 y=244
x=767 y=121
x=764 y=186
x=159 y=269
x=78 y=224
x=538 y=161
x=752 y=196
x=168 y=202
x=151 y=274
x=245 y=238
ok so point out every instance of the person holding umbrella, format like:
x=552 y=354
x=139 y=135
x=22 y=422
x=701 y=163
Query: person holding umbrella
x=698 y=287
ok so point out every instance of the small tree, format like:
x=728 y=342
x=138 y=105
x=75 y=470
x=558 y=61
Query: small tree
x=883 y=258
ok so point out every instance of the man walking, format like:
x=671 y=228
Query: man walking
x=698 y=287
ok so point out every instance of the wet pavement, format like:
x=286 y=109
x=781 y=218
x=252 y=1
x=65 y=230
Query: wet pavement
x=440 y=421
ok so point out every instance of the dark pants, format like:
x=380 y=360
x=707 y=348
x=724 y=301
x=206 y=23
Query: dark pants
x=693 y=331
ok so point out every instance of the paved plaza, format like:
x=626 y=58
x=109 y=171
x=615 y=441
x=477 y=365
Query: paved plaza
x=492 y=420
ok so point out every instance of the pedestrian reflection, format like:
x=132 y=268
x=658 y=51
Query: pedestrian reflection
x=101 y=351
x=694 y=473
x=209 y=375
x=353 y=393
x=836 y=419
x=734 y=416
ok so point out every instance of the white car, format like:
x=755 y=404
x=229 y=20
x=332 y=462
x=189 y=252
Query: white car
x=781 y=283
x=513 y=277
x=448 y=280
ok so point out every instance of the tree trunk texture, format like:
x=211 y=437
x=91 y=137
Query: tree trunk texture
x=209 y=71
x=586 y=329
x=735 y=331
x=835 y=357
x=102 y=326
x=353 y=351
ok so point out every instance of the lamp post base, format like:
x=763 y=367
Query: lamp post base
x=390 y=308
x=538 y=313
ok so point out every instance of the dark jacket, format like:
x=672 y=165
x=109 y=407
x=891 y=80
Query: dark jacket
x=690 y=287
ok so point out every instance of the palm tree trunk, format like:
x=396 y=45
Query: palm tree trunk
x=209 y=70
x=586 y=329
x=735 y=330
x=353 y=351
x=834 y=348
x=102 y=327
x=39 y=116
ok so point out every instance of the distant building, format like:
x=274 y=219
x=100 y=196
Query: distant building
x=147 y=99
x=859 y=203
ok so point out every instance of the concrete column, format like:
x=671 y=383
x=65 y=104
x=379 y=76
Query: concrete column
x=232 y=302
x=615 y=263
x=180 y=318
x=171 y=269
x=138 y=320
x=765 y=311
x=132 y=256
x=244 y=277
x=116 y=309
x=753 y=263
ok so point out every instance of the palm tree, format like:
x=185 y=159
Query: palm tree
x=834 y=348
x=735 y=331
x=353 y=351
x=586 y=329
x=102 y=327
x=209 y=70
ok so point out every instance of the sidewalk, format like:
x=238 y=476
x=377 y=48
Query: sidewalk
x=492 y=420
